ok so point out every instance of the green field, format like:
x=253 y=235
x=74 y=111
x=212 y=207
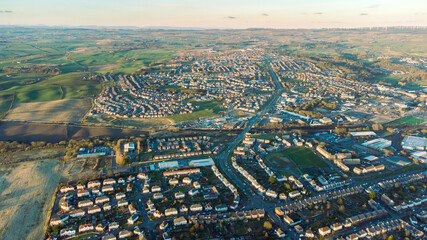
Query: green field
x=125 y=62
x=206 y=109
x=42 y=87
x=386 y=79
x=5 y=102
x=408 y=121
x=205 y=113
x=214 y=105
x=301 y=157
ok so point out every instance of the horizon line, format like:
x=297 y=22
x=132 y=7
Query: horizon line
x=203 y=28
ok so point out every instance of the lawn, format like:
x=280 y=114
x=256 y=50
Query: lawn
x=301 y=157
x=410 y=120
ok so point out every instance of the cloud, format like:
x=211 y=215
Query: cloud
x=363 y=14
x=374 y=6
x=6 y=11
x=265 y=15
x=231 y=17
x=318 y=13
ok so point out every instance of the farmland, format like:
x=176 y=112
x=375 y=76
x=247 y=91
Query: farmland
x=124 y=62
x=26 y=195
x=65 y=110
x=26 y=132
x=40 y=87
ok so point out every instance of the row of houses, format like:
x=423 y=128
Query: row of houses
x=230 y=186
x=410 y=204
x=182 y=155
x=302 y=203
x=220 y=217
x=382 y=228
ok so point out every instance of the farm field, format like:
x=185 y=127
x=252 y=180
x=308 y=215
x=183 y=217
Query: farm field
x=124 y=62
x=24 y=156
x=5 y=103
x=299 y=157
x=65 y=110
x=26 y=191
x=42 y=87
x=27 y=132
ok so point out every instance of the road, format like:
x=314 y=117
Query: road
x=223 y=157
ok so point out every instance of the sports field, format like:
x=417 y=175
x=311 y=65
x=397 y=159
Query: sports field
x=295 y=157
x=410 y=120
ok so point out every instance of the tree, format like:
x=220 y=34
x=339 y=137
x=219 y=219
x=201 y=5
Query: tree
x=272 y=179
x=339 y=201
x=192 y=230
x=377 y=127
x=267 y=225
x=197 y=226
x=396 y=185
x=372 y=195
x=341 y=209
x=391 y=237
x=412 y=188
x=55 y=228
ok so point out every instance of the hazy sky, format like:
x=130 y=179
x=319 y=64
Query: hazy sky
x=216 y=13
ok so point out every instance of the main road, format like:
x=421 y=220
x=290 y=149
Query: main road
x=255 y=201
x=223 y=157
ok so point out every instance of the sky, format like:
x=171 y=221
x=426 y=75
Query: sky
x=215 y=13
